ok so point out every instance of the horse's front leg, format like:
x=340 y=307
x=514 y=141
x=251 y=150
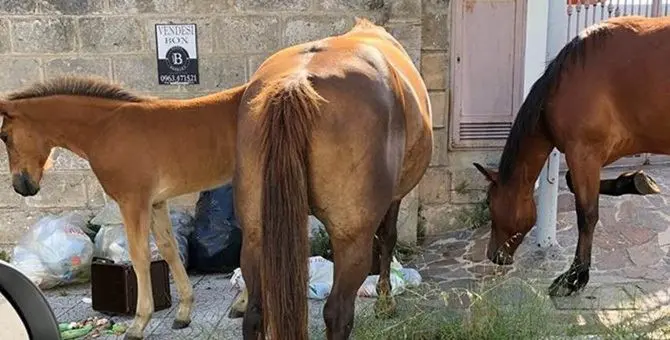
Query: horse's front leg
x=137 y=220
x=586 y=182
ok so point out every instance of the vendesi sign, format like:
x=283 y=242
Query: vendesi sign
x=177 y=53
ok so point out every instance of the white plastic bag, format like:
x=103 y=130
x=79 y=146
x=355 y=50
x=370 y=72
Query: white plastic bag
x=111 y=243
x=321 y=279
x=55 y=251
x=369 y=286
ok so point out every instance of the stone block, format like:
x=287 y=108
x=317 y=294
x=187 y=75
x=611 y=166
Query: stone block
x=204 y=32
x=409 y=35
x=138 y=73
x=440 y=147
x=19 y=72
x=255 y=61
x=4 y=161
x=60 y=190
x=218 y=73
x=15 y=223
x=9 y=198
x=69 y=7
x=434 y=70
x=405 y=9
x=268 y=5
x=110 y=34
x=437 y=219
x=79 y=66
x=435 y=186
x=5 y=37
x=467 y=196
x=43 y=35
x=18 y=6
x=435 y=6
x=168 y=6
x=94 y=191
x=465 y=158
x=439 y=104
x=307 y=28
x=247 y=34
x=63 y=159
x=408 y=218
x=435 y=31
x=351 y=5
x=464 y=179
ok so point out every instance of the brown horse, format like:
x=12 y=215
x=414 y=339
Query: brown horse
x=340 y=127
x=603 y=97
x=143 y=152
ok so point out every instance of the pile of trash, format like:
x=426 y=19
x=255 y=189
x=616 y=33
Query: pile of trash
x=91 y=327
x=55 y=251
x=321 y=279
x=59 y=249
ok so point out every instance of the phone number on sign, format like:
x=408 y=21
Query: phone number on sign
x=178 y=78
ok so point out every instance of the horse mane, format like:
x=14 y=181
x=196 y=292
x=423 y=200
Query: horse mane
x=77 y=86
x=532 y=110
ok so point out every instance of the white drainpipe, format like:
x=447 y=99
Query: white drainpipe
x=537 y=27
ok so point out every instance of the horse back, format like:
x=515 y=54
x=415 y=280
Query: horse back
x=374 y=95
x=616 y=78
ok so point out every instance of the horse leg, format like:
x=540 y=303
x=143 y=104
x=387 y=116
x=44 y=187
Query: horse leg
x=252 y=322
x=632 y=183
x=167 y=245
x=586 y=181
x=387 y=234
x=136 y=218
x=351 y=255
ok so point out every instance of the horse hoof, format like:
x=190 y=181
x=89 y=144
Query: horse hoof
x=180 y=324
x=560 y=290
x=566 y=285
x=235 y=314
x=644 y=184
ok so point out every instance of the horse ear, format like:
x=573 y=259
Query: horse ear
x=490 y=175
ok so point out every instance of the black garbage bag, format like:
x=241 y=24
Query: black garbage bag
x=182 y=228
x=216 y=241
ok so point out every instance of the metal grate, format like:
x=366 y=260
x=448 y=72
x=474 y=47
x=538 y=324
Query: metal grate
x=485 y=131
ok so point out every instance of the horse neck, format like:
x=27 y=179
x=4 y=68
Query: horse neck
x=529 y=162
x=71 y=122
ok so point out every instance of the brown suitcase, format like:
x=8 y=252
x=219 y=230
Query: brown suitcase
x=114 y=286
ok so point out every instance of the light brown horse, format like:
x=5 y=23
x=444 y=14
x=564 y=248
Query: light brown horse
x=603 y=97
x=340 y=127
x=142 y=151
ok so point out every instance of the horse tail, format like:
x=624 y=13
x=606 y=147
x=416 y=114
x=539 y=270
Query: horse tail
x=287 y=110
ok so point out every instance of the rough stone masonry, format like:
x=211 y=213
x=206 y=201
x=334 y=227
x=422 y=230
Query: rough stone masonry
x=115 y=39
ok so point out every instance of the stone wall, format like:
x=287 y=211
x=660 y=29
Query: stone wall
x=114 y=39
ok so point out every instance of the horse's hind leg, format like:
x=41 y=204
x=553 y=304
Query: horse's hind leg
x=586 y=181
x=351 y=239
x=252 y=322
x=167 y=245
x=628 y=183
x=387 y=235
x=136 y=218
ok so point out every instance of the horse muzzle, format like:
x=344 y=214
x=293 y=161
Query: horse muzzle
x=24 y=185
x=503 y=254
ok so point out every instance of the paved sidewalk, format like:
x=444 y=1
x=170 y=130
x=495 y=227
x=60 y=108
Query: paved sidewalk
x=631 y=270
x=631 y=265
